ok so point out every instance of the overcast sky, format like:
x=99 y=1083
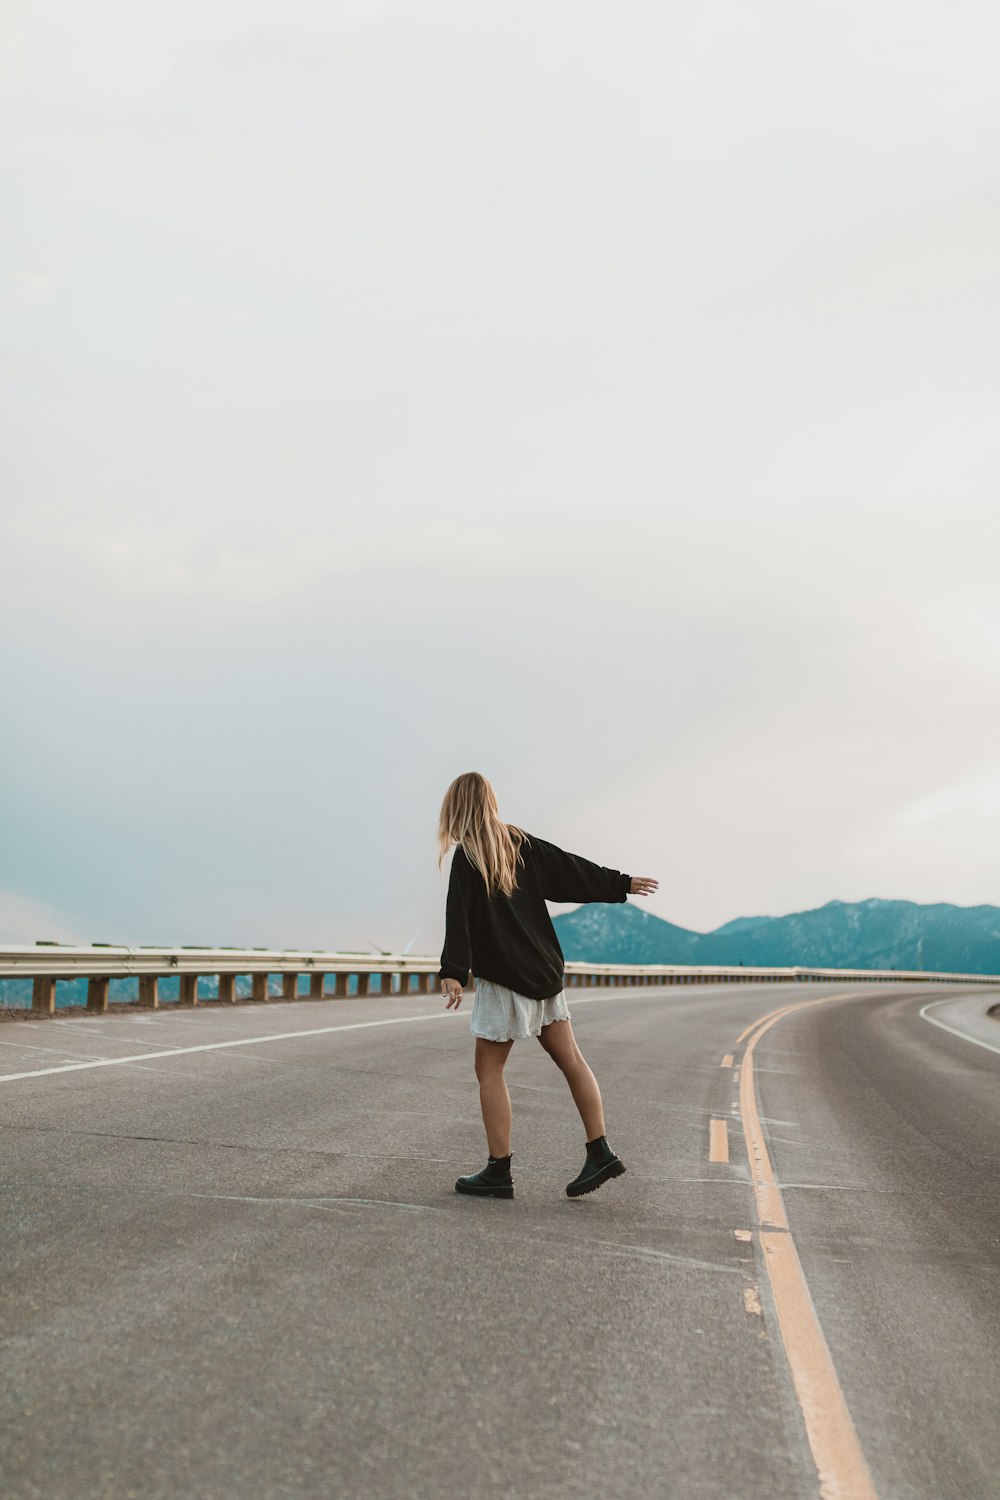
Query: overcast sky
x=603 y=398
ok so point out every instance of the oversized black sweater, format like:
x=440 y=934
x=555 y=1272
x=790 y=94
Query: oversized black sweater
x=511 y=939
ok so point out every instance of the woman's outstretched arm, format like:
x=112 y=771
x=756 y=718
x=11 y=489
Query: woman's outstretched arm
x=570 y=877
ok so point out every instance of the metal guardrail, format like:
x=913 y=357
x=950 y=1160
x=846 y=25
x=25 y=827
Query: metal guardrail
x=46 y=963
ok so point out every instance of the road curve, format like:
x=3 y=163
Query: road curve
x=233 y=1262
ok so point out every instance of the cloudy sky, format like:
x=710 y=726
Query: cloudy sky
x=603 y=398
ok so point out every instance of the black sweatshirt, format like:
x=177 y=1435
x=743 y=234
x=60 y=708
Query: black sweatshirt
x=511 y=939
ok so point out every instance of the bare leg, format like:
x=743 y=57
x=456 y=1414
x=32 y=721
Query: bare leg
x=559 y=1042
x=494 y=1099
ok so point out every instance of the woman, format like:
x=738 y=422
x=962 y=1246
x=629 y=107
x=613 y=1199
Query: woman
x=498 y=927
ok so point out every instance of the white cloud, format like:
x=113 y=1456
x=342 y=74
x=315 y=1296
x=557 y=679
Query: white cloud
x=959 y=810
x=385 y=394
x=30 y=288
x=24 y=920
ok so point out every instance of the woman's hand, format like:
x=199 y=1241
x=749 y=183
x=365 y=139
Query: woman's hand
x=453 y=992
x=643 y=885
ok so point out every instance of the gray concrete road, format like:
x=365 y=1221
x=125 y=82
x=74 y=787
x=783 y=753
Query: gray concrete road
x=242 y=1270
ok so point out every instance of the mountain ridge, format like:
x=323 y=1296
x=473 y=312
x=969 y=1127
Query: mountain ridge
x=875 y=933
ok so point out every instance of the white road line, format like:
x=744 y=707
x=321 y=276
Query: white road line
x=246 y=1041
x=278 y=1036
x=250 y=1041
x=965 y=1035
x=242 y=1041
x=642 y=992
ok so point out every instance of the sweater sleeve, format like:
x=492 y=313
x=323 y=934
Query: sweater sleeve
x=570 y=877
x=456 y=955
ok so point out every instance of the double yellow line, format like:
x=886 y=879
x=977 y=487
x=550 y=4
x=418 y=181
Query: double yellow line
x=836 y=1450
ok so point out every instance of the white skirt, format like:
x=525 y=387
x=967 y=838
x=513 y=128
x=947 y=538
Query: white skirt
x=502 y=1015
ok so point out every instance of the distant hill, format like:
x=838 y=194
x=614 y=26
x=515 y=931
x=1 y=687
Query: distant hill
x=740 y=924
x=870 y=934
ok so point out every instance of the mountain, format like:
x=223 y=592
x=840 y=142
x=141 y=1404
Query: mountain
x=625 y=933
x=871 y=934
x=740 y=924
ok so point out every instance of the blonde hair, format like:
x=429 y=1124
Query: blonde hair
x=470 y=817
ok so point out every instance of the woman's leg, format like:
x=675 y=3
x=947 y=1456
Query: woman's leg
x=493 y=1096
x=559 y=1042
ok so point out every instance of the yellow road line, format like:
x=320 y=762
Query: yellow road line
x=718 y=1141
x=762 y=1022
x=727 y=1061
x=840 y=1463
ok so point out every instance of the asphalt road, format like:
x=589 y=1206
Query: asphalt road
x=243 y=1270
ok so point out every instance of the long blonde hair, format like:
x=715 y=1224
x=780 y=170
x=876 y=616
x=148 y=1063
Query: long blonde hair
x=470 y=817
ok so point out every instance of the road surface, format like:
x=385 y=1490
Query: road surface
x=242 y=1270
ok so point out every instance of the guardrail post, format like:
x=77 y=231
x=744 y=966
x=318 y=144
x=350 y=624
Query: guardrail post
x=227 y=988
x=259 y=987
x=149 y=990
x=189 y=989
x=97 y=994
x=316 y=982
x=289 y=986
x=43 y=995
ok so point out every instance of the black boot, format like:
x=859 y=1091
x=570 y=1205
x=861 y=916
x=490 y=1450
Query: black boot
x=601 y=1164
x=494 y=1181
